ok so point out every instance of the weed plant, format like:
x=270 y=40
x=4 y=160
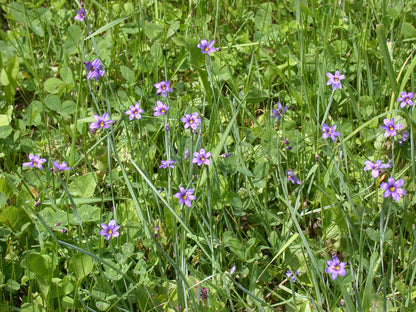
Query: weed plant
x=207 y=155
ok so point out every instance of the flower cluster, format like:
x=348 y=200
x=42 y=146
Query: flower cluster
x=279 y=111
x=191 y=121
x=160 y=109
x=101 y=122
x=391 y=127
x=202 y=157
x=375 y=168
x=167 y=164
x=185 y=196
x=110 y=230
x=329 y=132
x=163 y=88
x=335 y=80
x=291 y=177
x=393 y=188
x=406 y=99
x=335 y=267
x=291 y=275
x=95 y=69
x=36 y=161
x=135 y=111
x=81 y=15
x=206 y=48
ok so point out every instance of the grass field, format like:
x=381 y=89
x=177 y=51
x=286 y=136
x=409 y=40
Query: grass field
x=207 y=155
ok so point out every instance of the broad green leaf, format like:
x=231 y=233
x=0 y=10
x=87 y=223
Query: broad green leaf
x=13 y=217
x=152 y=31
x=11 y=71
x=40 y=265
x=89 y=213
x=5 y=131
x=127 y=73
x=67 y=108
x=83 y=186
x=4 y=120
x=12 y=285
x=66 y=75
x=102 y=305
x=37 y=27
x=18 y=12
x=4 y=79
x=74 y=33
x=52 y=85
x=81 y=264
x=261 y=170
x=408 y=30
x=53 y=102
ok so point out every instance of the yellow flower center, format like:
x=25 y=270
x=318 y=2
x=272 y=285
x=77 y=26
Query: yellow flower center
x=206 y=49
x=202 y=158
x=135 y=112
x=392 y=188
x=92 y=68
x=101 y=124
x=336 y=79
x=336 y=267
x=162 y=110
x=163 y=87
x=391 y=128
x=35 y=163
x=191 y=120
x=185 y=196
x=110 y=231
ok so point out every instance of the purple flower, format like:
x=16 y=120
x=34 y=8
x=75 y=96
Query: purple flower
x=135 y=111
x=205 y=47
x=162 y=88
x=335 y=80
x=110 y=230
x=102 y=122
x=291 y=275
x=204 y=293
x=156 y=231
x=232 y=270
x=392 y=188
x=81 y=15
x=160 y=109
x=95 y=69
x=291 y=177
x=202 y=157
x=375 y=167
x=167 y=164
x=61 y=167
x=35 y=161
x=330 y=132
x=278 y=113
x=390 y=127
x=405 y=99
x=191 y=121
x=335 y=267
x=405 y=136
x=186 y=154
x=185 y=196
x=225 y=155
